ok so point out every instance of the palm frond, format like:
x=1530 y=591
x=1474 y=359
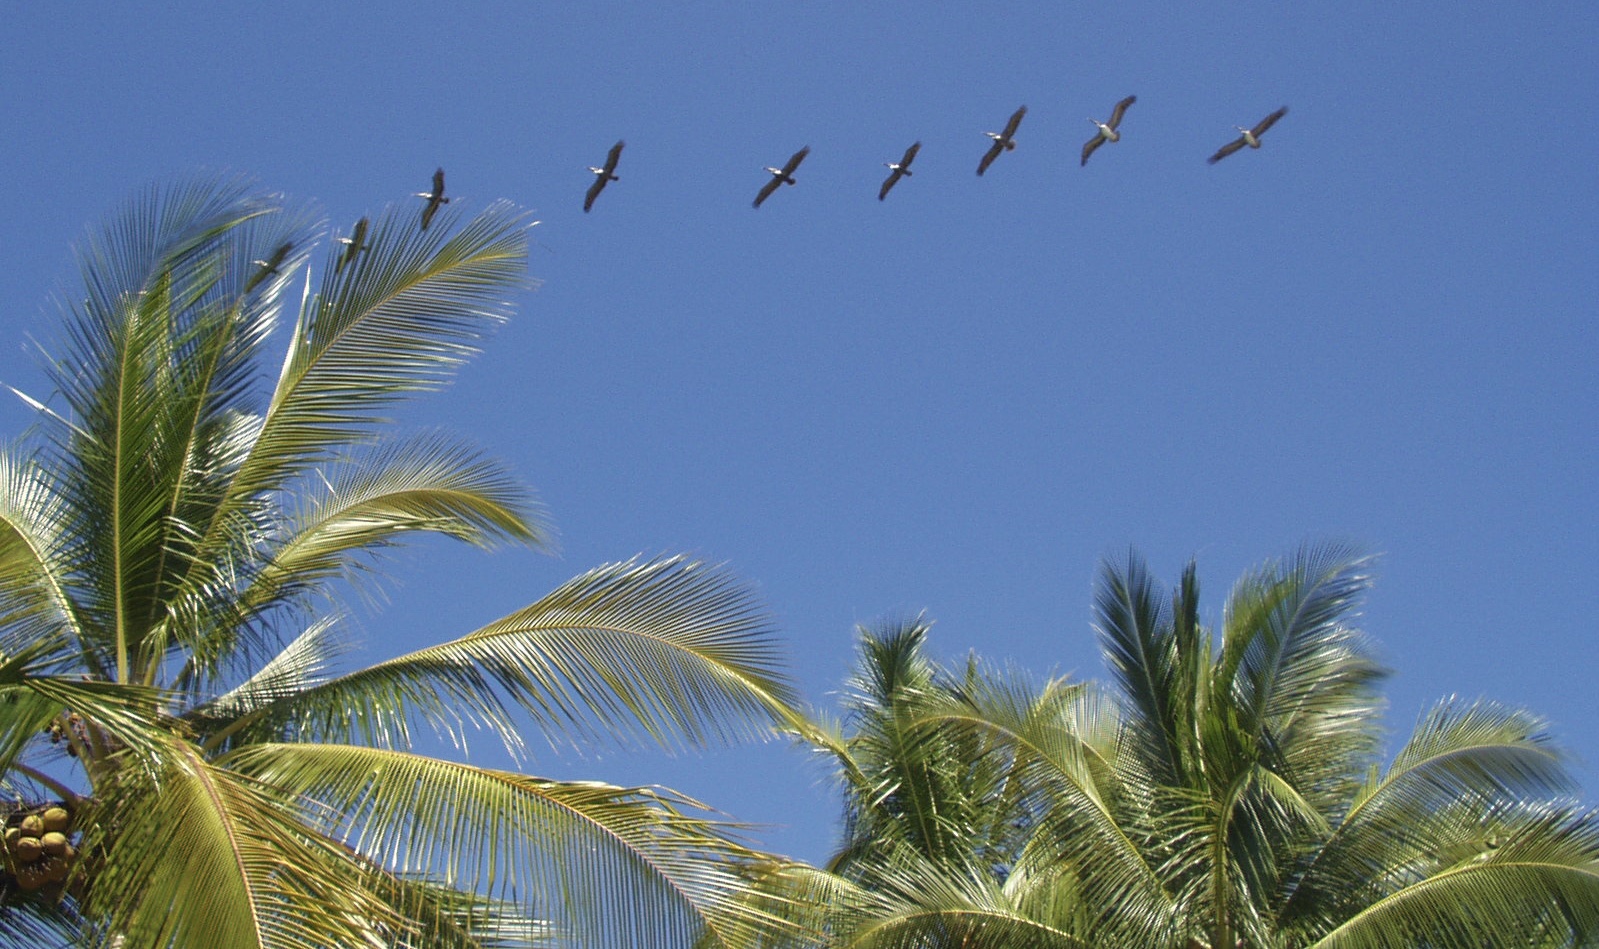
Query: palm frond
x=1540 y=885
x=671 y=650
x=1136 y=635
x=205 y=856
x=606 y=865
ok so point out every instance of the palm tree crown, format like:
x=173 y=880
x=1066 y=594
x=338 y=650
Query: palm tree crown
x=174 y=537
x=1228 y=791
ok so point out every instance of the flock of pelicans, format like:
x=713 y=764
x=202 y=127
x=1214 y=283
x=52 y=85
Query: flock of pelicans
x=1003 y=141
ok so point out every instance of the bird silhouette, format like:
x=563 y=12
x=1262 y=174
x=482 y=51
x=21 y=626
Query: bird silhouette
x=269 y=266
x=1250 y=137
x=603 y=176
x=1107 y=130
x=783 y=175
x=435 y=198
x=898 y=169
x=353 y=245
x=1003 y=141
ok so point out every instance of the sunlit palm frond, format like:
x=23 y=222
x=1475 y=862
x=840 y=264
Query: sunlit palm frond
x=205 y=856
x=916 y=904
x=398 y=321
x=1302 y=674
x=35 y=569
x=606 y=865
x=1538 y=886
x=671 y=650
x=1465 y=762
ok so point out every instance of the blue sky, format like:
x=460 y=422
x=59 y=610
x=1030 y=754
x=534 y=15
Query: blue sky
x=1380 y=328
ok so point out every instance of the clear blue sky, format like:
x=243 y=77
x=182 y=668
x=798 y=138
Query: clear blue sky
x=1381 y=327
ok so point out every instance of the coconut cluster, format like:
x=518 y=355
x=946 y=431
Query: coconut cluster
x=38 y=846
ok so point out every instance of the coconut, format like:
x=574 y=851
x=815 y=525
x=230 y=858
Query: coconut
x=27 y=849
x=56 y=818
x=32 y=876
x=13 y=834
x=56 y=870
x=32 y=825
x=54 y=843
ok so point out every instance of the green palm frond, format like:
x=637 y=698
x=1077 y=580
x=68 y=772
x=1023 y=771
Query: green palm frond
x=671 y=650
x=1463 y=763
x=1135 y=632
x=1538 y=884
x=399 y=321
x=205 y=856
x=1303 y=676
x=34 y=581
x=604 y=864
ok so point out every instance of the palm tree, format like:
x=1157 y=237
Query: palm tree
x=1229 y=791
x=176 y=703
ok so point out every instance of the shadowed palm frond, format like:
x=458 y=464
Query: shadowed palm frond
x=607 y=864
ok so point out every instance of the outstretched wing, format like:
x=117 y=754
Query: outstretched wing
x=910 y=155
x=888 y=183
x=612 y=156
x=438 y=183
x=1121 y=108
x=1090 y=145
x=794 y=161
x=767 y=189
x=988 y=158
x=1268 y=122
x=600 y=178
x=1015 y=120
x=1227 y=149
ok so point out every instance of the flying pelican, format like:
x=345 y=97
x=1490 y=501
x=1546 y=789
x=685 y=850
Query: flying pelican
x=1107 y=130
x=1251 y=137
x=353 y=245
x=268 y=266
x=603 y=176
x=1003 y=141
x=783 y=175
x=435 y=198
x=898 y=169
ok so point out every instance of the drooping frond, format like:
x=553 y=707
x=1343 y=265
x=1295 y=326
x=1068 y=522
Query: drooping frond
x=671 y=650
x=35 y=561
x=1539 y=886
x=605 y=865
x=205 y=856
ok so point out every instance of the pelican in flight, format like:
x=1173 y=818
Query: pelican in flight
x=603 y=176
x=1107 y=130
x=783 y=175
x=353 y=245
x=1250 y=137
x=435 y=198
x=898 y=169
x=1003 y=141
x=269 y=266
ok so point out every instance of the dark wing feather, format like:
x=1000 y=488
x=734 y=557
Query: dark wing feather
x=431 y=209
x=910 y=155
x=1090 y=145
x=794 y=161
x=888 y=183
x=1227 y=149
x=767 y=189
x=594 y=190
x=1268 y=122
x=993 y=153
x=438 y=183
x=1121 y=109
x=1015 y=120
x=612 y=156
